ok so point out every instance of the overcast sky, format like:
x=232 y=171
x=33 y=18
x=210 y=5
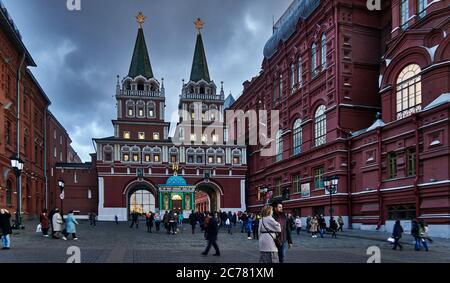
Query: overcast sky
x=80 y=53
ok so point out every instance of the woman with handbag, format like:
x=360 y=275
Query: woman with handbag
x=268 y=230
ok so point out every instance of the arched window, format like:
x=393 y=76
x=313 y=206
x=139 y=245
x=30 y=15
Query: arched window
x=409 y=91
x=404 y=13
x=281 y=86
x=156 y=155
x=323 y=52
x=151 y=113
x=213 y=112
x=320 y=126
x=190 y=153
x=313 y=59
x=108 y=153
x=140 y=105
x=210 y=156
x=237 y=157
x=297 y=142
x=125 y=152
x=173 y=155
x=130 y=108
x=292 y=81
x=9 y=193
x=140 y=85
x=147 y=154
x=199 y=154
x=279 y=146
x=220 y=154
x=300 y=72
x=135 y=154
x=275 y=91
x=422 y=8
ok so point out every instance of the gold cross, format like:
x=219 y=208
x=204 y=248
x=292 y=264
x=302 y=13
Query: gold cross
x=199 y=24
x=140 y=19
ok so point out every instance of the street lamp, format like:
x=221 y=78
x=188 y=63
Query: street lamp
x=330 y=185
x=17 y=165
x=61 y=196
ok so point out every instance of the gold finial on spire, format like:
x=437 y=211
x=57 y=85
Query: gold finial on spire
x=199 y=24
x=175 y=168
x=140 y=19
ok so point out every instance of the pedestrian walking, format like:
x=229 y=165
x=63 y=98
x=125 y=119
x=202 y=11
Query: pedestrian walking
x=341 y=223
x=285 y=235
x=173 y=222
x=116 y=218
x=415 y=232
x=180 y=221
x=45 y=222
x=423 y=233
x=5 y=228
x=205 y=224
x=212 y=231
x=268 y=231
x=92 y=219
x=134 y=219
x=333 y=227
x=308 y=224
x=157 y=221
x=71 y=223
x=193 y=221
x=149 y=219
x=298 y=224
x=314 y=224
x=50 y=217
x=322 y=226
x=58 y=222
x=249 y=226
x=397 y=235
x=255 y=227
x=229 y=226
x=166 y=222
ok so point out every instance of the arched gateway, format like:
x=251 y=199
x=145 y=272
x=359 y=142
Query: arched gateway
x=140 y=198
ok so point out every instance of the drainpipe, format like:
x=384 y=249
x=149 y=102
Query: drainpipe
x=380 y=181
x=45 y=158
x=416 y=179
x=349 y=183
x=19 y=178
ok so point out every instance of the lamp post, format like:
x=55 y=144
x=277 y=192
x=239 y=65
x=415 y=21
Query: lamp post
x=17 y=165
x=330 y=185
x=61 y=196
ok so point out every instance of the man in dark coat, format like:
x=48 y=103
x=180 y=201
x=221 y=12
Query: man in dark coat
x=5 y=228
x=285 y=235
x=397 y=235
x=193 y=221
x=134 y=220
x=211 y=236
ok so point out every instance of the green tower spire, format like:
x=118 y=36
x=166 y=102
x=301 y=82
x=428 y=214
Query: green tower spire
x=199 y=65
x=140 y=64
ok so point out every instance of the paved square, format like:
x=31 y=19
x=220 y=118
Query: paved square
x=111 y=243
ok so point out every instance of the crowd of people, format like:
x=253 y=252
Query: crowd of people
x=271 y=227
x=61 y=226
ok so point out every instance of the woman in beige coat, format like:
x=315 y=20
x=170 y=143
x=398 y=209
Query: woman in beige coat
x=268 y=230
x=314 y=225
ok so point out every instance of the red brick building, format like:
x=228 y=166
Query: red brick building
x=329 y=67
x=23 y=107
x=136 y=165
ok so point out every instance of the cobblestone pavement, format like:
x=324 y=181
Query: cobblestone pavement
x=111 y=243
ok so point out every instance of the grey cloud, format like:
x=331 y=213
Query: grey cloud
x=103 y=35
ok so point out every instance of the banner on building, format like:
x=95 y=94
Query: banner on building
x=306 y=192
